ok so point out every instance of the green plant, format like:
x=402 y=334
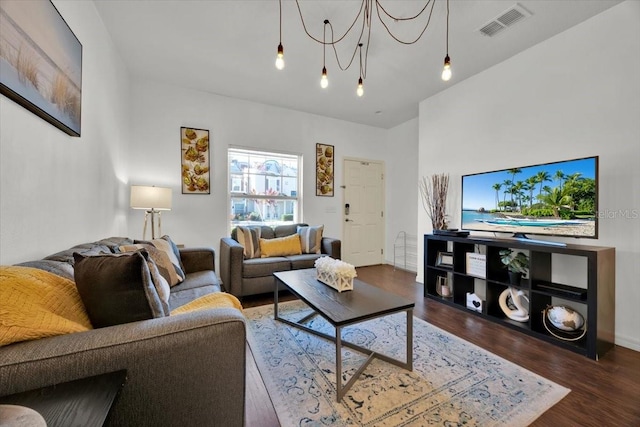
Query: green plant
x=566 y=214
x=516 y=263
x=287 y=217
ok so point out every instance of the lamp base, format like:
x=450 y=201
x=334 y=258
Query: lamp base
x=152 y=213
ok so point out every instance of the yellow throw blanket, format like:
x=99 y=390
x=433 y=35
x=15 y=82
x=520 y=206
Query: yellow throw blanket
x=38 y=304
x=217 y=299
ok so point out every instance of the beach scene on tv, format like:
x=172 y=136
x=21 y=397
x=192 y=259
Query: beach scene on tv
x=556 y=199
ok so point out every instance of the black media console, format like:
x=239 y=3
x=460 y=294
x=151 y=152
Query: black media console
x=594 y=296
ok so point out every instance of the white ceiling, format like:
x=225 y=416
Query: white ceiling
x=229 y=48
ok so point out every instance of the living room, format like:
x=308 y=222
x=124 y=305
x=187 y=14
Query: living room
x=574 y=95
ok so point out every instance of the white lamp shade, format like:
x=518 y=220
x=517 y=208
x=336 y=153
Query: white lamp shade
x=145 y=197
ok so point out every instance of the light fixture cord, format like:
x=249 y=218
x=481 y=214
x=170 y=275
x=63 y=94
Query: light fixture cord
x=353 y=55
x=361 y=74
x=280 y=2
x=398 y=18
x=304 y=26
x=365 y=12
x=324 y=45
x=379 y=7
x=447 y=27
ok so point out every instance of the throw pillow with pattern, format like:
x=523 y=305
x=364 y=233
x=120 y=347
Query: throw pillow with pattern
x=166 y=245
x=249 y=238
x=311 y=239
x=161 y=259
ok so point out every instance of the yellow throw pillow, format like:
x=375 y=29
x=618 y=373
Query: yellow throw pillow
x=282 y=246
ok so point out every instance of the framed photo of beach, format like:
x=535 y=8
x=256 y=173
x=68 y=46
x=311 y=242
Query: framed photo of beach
x=195 y=160
x=324 y=170
x=41 y=63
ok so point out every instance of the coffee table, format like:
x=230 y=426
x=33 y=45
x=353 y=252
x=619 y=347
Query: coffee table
x=340 y=309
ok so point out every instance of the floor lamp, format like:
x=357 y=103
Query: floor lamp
x=153 y=200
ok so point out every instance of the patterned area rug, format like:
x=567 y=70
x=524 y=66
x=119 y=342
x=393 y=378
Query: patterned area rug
x=453 y=382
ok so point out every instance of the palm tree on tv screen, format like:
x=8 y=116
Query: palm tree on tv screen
x=518 y=187
x=513 y=173
x=497 y=187
x=559 y=176
x=531 y=185
x=556 y=199
x=507 y=189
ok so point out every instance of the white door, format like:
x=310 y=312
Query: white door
x=363 y=213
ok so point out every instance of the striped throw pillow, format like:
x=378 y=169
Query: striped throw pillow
x=163 y=263
x=311 y=238
x=249 y=238
x=166 y=245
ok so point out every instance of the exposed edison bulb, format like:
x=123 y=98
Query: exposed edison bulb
x=360 y=90
x=446 y=71
x=324 y=81
x=280 y=58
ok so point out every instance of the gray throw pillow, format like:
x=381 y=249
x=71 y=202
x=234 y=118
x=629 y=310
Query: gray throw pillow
x=118 y=289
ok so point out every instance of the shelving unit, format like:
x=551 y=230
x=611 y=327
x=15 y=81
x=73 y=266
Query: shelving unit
x=594 y=297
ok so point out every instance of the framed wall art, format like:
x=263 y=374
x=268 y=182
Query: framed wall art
x=195 y=160
x=324 y=170
x=444 y=259
x=41 y=63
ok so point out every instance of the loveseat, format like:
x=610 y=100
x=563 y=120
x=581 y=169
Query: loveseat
x=242 y=275
x=184 y=369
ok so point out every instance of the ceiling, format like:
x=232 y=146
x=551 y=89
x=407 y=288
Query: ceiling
x=229 y=48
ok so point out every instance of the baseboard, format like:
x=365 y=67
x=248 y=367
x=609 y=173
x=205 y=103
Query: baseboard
x=409 y=269
x=628 y=342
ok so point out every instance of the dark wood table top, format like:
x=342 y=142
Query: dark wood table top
x=341 y=308
x=85 y=402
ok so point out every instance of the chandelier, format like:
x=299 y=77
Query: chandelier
x=364 y=16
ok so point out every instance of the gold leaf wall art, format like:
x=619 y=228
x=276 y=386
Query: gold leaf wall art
x=194 y=144
x=325 y=156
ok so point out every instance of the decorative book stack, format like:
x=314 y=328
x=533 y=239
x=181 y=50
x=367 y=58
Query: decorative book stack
x=335 y=273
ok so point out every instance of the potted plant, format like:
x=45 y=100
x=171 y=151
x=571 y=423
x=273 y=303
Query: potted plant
x=516 y=263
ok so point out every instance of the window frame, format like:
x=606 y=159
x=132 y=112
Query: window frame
x=268 y=155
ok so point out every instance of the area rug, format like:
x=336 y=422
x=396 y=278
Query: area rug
x=453 y=382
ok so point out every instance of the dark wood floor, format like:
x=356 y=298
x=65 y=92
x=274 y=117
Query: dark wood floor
x=603 y=393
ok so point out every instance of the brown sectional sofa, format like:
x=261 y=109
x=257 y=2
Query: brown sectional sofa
x=242 y=277
x=186 y=369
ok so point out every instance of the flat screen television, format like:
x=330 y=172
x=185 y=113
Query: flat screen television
x=554 y=199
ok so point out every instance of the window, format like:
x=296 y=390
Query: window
x=264 y=187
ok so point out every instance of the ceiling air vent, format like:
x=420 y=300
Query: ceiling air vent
x=515 y=13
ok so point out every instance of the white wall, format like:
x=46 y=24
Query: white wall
x=575 y=95
x=401 y=192
x=56 y=190
x=195 y=220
